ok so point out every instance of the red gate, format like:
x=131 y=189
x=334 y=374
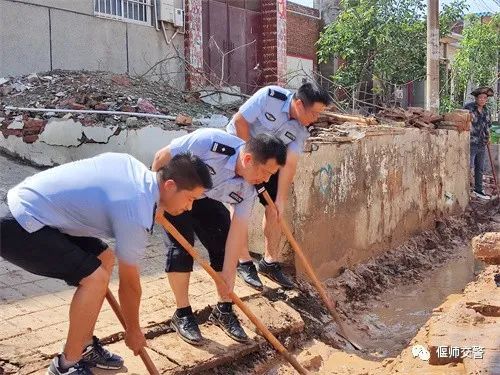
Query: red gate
x=232 y=42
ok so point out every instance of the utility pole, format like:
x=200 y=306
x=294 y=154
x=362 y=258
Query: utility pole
x=432 y=82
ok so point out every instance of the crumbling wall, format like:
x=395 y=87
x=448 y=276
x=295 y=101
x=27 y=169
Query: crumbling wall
x=351 y=201
x=58 y=141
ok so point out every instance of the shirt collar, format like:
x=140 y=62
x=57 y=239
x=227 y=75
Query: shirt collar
x=231 y=161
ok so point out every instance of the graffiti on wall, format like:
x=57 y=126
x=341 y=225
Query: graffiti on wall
x=326 y=180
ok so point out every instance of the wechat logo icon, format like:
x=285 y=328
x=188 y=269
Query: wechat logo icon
x=420 y=352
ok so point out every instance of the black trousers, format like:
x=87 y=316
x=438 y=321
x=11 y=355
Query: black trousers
x=209 y=220
x=49 y=252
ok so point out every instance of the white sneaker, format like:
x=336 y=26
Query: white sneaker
x=79 y=368
x=482 y=195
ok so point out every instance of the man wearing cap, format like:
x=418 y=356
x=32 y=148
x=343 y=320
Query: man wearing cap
x=235 y=167
x=280 y=112
x=53 y=225
x=479 y=136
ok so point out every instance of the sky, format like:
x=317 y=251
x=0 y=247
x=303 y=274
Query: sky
x=475 y=6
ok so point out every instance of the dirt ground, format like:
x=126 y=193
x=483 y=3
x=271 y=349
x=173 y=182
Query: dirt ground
x=391 y=303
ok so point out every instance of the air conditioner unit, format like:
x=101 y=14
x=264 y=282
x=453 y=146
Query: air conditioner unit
x=166 y=11
x=179 y=17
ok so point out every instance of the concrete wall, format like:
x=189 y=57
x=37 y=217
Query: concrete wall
x=60 y=141
x=24 y=43
x=80 y=6
x=66 y=35
x=353 y=201
x=349 y=202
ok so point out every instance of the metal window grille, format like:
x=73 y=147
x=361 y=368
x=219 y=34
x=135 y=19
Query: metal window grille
x=137 y=11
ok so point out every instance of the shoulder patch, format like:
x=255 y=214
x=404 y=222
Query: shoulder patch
x=270 y=116
x=290 y=136
x=236 y=197
x=222 y=149
x=277 y=94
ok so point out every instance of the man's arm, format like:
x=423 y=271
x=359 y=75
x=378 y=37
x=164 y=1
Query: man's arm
x=161 y=158
x=285 y=179
x=242 y=127
x=129 y=293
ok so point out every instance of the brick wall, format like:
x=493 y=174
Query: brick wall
x=303 y=31
x=269 y=41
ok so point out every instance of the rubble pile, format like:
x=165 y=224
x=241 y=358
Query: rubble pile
x=334 y=127
x=423 y=119
x=101 y=91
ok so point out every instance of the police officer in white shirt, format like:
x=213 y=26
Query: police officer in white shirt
x=280 y=112
x=53 y=225
x=235 y=167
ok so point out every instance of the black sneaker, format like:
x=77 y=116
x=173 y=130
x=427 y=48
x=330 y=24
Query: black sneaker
x=187 y=329
x=80 y=368
x=248 y=273
x=275 y=273
x=229 y=323
x=96 y=355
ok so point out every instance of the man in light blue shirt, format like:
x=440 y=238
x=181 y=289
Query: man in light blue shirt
x=52 y=228
x=235 y=167
x=277 y=111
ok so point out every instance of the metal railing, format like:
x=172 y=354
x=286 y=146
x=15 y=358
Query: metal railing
x=137 y=11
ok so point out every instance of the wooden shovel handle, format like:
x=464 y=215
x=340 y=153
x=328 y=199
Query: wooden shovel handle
x=142 y=353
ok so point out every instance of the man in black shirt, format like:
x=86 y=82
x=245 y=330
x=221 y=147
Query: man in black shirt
x=479 y=136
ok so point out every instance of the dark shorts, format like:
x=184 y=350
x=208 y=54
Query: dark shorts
x=49 y=252
x=271 y=187
x=209 y=220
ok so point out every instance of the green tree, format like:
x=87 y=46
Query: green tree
x=383 y=40
x=477 y=59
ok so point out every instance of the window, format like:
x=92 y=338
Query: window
x=138 y=11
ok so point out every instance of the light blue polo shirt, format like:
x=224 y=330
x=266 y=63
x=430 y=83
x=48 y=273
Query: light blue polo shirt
x=268 y=111
x=227 y=186
x=110 y=195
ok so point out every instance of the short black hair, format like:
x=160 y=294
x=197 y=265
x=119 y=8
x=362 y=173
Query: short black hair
x=188 y=171
x=264 y=147
x=311 y=93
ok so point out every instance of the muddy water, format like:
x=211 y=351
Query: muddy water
x=397 y=314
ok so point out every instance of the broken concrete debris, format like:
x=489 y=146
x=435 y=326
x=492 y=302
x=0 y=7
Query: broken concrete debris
x=105 y=99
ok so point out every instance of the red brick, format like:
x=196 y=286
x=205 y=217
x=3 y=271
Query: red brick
x=101 y=107
x=77 y=106
x=33 y=126
x=302 y=43
x=8 y=132
x=121 y=79
x=127 y=108
x=183 y=120
x=30 y=138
